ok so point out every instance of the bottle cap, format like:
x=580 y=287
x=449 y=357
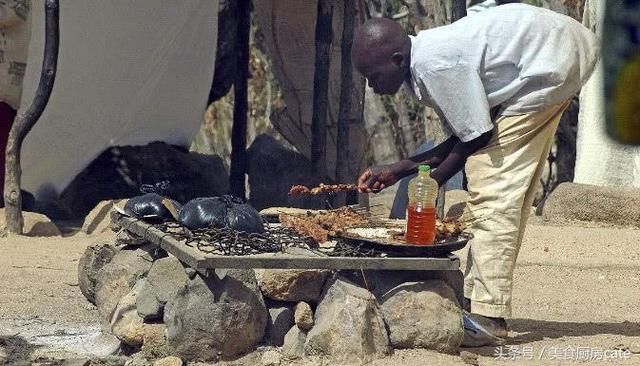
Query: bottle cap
x=424 y=168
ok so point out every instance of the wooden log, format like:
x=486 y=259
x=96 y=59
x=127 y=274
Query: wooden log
x=324 y=34
x=450 y=263
x=25 y=120
x=238 y=167
x=346 y=97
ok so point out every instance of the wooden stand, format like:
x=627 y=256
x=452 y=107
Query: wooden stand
x=201 y=261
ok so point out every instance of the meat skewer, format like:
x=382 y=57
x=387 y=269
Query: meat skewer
x=322 y=188
x=299 y=190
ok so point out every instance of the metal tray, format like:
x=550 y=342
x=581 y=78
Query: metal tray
x=401 y=248
x=392 y=247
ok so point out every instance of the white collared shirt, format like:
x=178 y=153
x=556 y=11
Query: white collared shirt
x=516 y=56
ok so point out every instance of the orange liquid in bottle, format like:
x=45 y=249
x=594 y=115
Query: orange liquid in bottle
x=421 y=225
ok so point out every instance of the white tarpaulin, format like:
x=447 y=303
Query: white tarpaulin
x=14 y=38
x=599 y=159
x=289 y=28
x=129 y=72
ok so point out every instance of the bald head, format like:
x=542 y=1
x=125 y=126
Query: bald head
x=379 y=35
x=381 y=52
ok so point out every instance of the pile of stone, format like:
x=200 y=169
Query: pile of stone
x=573 y=202
x=156 y=305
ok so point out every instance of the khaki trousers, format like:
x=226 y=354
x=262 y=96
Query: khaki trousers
x=502 y=181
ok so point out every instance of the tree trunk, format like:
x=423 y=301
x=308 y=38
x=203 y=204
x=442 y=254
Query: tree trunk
x=321 y=87
x=26 y=120
x=346 y=92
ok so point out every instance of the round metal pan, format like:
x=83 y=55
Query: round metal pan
x=399 y=248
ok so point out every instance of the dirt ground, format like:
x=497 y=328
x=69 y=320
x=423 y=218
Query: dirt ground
x=575 y=288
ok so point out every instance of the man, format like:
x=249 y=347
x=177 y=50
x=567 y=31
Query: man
x=500 y=82
x=401 y=199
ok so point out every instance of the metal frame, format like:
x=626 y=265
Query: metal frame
x=201 y=261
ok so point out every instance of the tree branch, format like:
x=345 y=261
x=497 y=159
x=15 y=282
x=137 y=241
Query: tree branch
x=321 y=87
x=26 y=120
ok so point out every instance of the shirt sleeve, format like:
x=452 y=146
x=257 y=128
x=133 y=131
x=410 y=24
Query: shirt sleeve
x=459 y=94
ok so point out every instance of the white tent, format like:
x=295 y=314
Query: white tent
x=599 y=159
x=129 y=72
x=288 y=27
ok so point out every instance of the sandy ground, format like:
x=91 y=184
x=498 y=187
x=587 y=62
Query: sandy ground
x=574 y=287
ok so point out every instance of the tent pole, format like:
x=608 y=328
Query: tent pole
x=26 y=120
x=346 y=97
x=321 y=87
x=238 y=168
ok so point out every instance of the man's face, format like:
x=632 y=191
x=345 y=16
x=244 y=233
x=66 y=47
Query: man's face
x=383 y=75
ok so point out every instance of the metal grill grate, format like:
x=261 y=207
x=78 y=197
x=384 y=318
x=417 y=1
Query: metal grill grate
x=225 y=241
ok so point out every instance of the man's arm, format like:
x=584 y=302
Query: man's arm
x=377 y=178
x=454 y=162
x=448 y=157
x=462 y=102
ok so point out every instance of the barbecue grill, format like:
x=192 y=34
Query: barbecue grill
x=223 y=248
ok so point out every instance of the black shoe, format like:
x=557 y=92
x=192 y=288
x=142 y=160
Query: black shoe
x=480 y=331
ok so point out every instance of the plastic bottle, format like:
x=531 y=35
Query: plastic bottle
x=421 y=211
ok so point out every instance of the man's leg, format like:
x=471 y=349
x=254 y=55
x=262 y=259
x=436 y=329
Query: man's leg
x=502 y=178
x=531 y=192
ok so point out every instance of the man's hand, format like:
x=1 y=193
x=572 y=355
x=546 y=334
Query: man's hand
x=377 y=178
x=445 y=160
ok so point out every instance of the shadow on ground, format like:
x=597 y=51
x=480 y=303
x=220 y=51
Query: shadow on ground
x=15 y=350
x=532 y=330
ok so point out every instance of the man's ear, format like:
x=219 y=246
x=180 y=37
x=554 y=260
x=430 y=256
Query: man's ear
x=398 y=59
